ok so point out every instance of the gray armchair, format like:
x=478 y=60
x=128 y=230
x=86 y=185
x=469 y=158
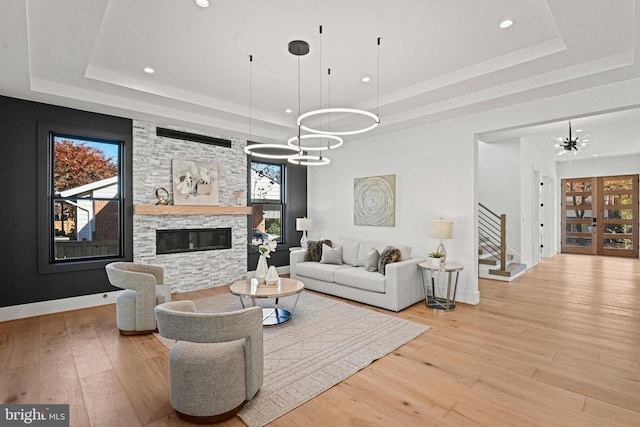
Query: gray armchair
x=144 y=288
x=216 y=365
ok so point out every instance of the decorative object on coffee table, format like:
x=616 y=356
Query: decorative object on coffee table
x=272 y=276
x=262 y=268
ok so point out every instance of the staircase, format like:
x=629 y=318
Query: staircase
x=494 y=260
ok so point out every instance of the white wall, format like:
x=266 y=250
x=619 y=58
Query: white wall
x=499 y=185
x=600 y=166
x=534 y=162
x=435 y=167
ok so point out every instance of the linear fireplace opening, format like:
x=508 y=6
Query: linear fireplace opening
x=192 y=240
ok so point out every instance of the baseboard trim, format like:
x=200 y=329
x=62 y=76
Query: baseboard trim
x=56 y=306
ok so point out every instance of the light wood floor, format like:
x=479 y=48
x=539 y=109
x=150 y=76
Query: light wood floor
x=558 y=346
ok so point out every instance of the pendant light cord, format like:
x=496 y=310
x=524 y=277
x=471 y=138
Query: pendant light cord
x=250 y=93
x=378 y=83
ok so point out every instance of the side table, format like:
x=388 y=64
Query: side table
x=448 y=302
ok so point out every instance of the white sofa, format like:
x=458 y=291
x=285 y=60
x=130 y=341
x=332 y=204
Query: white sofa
x=400 y=286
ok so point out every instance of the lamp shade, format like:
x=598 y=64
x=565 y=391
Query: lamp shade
x=304 y=224
x=440 y=229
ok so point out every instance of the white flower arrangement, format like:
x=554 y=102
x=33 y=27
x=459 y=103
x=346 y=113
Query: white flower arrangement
x=267 y=247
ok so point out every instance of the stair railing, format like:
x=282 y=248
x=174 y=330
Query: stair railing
x=492 y=232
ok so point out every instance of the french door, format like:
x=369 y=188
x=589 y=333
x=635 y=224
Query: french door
x=600 y=215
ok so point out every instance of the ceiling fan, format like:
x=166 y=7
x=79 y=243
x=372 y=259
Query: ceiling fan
x=571 y=144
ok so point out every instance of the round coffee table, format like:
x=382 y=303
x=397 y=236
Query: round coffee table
x=250 y=288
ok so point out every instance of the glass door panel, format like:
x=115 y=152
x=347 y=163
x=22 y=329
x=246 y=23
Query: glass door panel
x=600 y=215
x=618 y=232
x=577 y=215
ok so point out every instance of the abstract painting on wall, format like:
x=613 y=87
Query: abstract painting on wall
x=195 y=183
x=374 y=201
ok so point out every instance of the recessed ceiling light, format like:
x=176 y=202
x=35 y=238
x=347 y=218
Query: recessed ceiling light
x=149 y=70
x=288 y=111
x=578 y=130
x=506 y=23
x=202 y=3
x=595 y=155
x=366 y=79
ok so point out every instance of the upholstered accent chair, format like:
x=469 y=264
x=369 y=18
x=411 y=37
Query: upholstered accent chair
x=216 y=365
x=144 y=288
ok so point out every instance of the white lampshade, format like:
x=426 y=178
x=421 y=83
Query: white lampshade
x=440 y=229
x=304 y=224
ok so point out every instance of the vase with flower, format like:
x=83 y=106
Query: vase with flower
x=265 y=249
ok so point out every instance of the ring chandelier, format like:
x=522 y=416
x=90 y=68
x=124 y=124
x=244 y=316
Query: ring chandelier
x=376 y=120
x=271 y=151
x=296 y=153
x=309 y=160
x=293 y=142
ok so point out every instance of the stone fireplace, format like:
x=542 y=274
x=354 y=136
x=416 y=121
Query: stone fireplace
x=190 y=269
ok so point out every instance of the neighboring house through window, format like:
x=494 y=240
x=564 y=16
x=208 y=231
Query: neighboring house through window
x=83 y=220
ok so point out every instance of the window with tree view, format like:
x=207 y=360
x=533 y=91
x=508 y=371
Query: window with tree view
x=86 y=198
x=267 y=201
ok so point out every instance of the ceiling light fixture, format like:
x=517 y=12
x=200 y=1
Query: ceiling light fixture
x=354 y=111
x=202 y=3
x=300 y=48
x=571 y=144
x=149 y=70
x=260 y=149
x=330 y=146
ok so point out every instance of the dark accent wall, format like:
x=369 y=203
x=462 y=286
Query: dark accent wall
x=21 y=282
x=296 y=207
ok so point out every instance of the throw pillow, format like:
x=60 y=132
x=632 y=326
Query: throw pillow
x=314 y=250
x=388 y=255
x=350 y=253
x=331 y=255
x=371 y=260
x=365 y=248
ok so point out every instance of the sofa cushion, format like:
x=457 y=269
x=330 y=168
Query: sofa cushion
x=360 y=278
x=388 y=255
x=350 y=252
x=314 y=250
x=315 y=270
x=371 y=261
x=331 y=255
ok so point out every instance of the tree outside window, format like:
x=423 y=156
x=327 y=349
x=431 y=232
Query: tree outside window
x=85 y=198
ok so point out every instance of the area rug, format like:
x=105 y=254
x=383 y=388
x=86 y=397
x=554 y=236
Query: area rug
x=325 y=342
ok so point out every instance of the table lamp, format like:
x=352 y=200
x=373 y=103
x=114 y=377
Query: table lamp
x=304 y=224
x=441 y=229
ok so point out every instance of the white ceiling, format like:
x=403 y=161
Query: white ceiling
x=437 y=59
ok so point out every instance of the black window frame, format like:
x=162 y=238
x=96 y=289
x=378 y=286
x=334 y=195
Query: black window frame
x=282 y=203
x=46 y=259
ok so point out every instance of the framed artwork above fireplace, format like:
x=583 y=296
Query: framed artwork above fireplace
x=195 y=183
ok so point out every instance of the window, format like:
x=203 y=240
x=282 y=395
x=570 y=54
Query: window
x=81 y=211
x=267 y=201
